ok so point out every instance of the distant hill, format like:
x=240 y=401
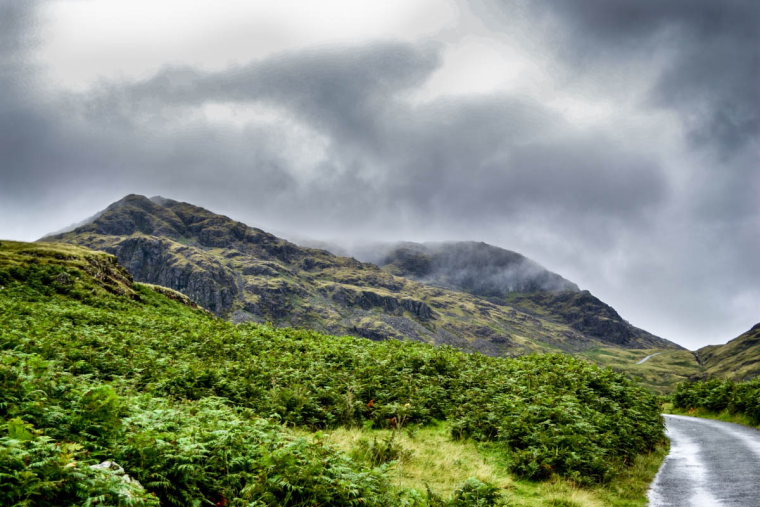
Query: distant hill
x=243 y=273
x=508 y=278
x=738 y=359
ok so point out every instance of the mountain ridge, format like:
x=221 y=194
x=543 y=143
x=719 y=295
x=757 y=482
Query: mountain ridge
x=244 y=273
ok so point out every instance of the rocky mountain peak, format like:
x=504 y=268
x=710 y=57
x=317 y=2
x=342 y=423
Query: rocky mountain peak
x=184 y=223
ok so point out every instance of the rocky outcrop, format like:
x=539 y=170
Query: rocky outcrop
x=590 y=316
x=131 y=488
x=367 y=299
x=417 y=308
x=158 y=261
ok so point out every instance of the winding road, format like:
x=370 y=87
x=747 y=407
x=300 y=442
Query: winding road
x=711 y=464
x=650 y=356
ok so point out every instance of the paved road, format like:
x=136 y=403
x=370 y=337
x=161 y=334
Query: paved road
x=711 y=464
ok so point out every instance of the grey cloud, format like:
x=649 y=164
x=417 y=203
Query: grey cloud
x=497 y=158
x=343 y=90
x=712 y=51
x=455 y=159
x=485 y=159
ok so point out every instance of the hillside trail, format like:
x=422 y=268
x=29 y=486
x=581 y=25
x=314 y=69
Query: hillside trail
x=650 y=356
x=710 y=464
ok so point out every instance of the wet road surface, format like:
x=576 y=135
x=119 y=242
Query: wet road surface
x=711 y=464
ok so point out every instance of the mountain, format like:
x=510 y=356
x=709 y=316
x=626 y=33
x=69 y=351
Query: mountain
x=738 y=359
x=505 y=277
x=243 y=273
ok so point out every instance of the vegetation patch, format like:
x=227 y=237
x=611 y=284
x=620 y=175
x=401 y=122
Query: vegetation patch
x=662 y=372
x=716 y=396
x=199 y=411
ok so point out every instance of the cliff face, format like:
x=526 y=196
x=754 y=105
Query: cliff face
x=243 y=273
x=203 y=279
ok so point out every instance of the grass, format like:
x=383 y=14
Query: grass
x=430 y=457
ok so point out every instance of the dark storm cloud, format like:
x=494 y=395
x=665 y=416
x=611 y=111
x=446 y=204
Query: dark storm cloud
x=712 y=50
x=456 y=159
x=386 y=160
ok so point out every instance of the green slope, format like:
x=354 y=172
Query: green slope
x=95 y=367
x=738 y=359
x=662 y=372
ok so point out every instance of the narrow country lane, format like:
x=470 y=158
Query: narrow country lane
x=711 y=464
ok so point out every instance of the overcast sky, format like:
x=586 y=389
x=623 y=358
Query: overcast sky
x=616 y=142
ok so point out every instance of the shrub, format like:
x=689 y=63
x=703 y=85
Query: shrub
x=476 y=493
x=197 y=409
x=36 y=470
x=719 y=394
x=379 y=452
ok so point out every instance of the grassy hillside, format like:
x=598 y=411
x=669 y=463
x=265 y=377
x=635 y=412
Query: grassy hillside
x=196 y=410
x=738 y=359
x=246 y=274
x=662 y=372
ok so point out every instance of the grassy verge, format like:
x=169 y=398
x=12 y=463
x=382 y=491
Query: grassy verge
x=723 y=415
x=429 y=458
